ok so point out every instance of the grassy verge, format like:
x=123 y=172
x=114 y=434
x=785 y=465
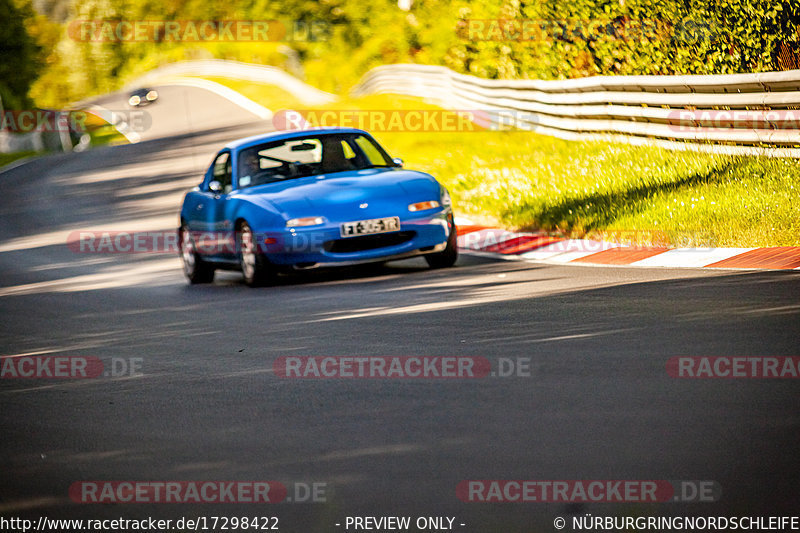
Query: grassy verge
x=270 y=96
x=106 y=135
x=528 y=181
x=101 y=132
x=533 y=182
x=7 y=159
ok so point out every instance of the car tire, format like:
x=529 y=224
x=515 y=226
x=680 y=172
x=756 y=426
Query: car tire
x=196 y=270
x=256 y=269
x=447 y=257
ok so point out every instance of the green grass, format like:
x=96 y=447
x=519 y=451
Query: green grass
x=101 y=132
x=7 y=159
x=270 y=96
x=106 y=135
x=526 y=181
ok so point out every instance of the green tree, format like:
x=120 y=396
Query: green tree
x=19 y=55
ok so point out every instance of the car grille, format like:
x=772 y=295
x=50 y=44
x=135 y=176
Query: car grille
x=368 y=242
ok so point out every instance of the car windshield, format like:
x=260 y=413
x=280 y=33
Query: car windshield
x=299 y=157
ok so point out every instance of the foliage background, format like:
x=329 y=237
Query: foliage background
x=41 y=61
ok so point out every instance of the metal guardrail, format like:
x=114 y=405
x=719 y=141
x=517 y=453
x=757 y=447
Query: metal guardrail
x=39 y=141
x=740 y=114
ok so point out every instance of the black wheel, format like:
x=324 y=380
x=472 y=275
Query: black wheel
x=196 y=270
x=255 y=268
x=447 y=257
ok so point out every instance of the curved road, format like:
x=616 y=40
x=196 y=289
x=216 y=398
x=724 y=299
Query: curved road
x=180 y=109
x=205 y=404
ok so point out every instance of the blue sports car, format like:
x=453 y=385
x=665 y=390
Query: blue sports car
x=303 y=199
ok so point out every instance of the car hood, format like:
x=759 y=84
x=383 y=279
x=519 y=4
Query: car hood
x=324 y=194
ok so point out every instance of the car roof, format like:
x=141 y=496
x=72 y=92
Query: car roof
x=279 y=135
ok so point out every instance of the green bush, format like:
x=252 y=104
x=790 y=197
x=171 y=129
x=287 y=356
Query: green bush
x=597 y=37
x=20 y=58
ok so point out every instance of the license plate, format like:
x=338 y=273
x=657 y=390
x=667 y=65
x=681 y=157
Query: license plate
x=368 y=227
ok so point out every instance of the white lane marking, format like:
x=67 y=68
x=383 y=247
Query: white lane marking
x=116 y=120
x=784 y=309
x=225 y=92
x=690 y=257
x=526 y=338
x=61 y=237
x=136 y=274
x=31 y=503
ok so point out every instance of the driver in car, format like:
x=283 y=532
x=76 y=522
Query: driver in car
x=250 y=166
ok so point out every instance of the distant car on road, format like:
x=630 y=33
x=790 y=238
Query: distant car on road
x=142 y=97
x=303 y=199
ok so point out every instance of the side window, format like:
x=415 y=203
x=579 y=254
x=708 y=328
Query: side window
x=371 y=151
x=348 y=151
x=222 y=171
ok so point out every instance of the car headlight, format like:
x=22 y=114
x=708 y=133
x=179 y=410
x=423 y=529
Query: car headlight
x=305 y=221
x=151 y=95
x=134 y=100
x=422 y=206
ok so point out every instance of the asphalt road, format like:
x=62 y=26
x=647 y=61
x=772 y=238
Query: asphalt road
x=179 y=110
x=206 y=405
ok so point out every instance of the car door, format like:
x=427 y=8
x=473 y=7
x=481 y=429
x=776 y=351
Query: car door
x=206 y=218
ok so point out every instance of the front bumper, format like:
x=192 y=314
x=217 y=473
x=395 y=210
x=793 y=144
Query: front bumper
x=324 y=245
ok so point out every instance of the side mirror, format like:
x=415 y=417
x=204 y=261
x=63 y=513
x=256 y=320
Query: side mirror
x=398 y=162
x=215 y=187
